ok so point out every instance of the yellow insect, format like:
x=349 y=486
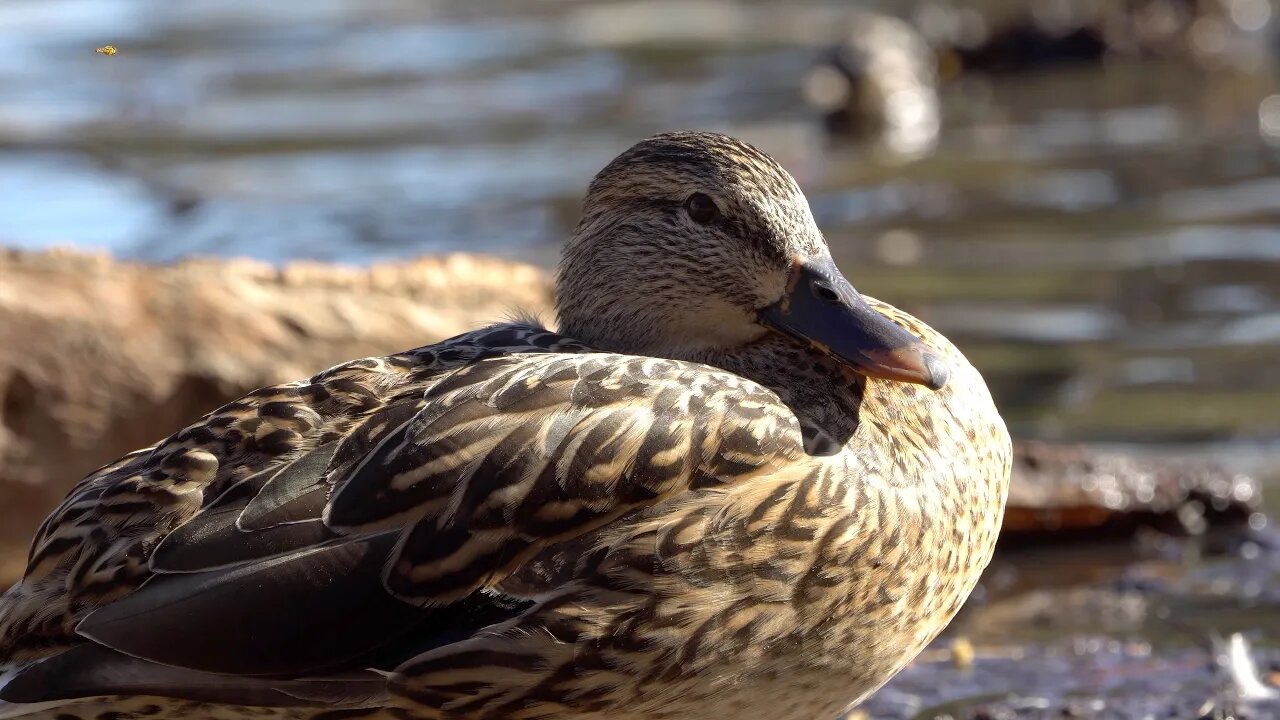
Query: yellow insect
x=106 y=50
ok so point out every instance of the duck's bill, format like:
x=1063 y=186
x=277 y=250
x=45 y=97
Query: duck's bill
x=821 y=308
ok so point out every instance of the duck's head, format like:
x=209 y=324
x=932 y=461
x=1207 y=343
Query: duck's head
x=696 y=243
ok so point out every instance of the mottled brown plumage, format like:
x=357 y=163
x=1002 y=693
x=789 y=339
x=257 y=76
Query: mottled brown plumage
x=664 y=510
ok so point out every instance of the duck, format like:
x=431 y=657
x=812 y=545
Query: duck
x=726 y=482
x=878 y=83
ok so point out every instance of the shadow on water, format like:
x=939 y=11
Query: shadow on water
x=1104 y=242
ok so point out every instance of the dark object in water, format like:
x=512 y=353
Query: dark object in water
x=1027 y=46
x=1072 y=32
x=1066 y=492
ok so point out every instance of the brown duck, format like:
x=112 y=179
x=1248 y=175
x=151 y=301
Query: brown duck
x=727 y=484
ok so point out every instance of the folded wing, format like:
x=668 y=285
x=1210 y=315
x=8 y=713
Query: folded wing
x=390 y=541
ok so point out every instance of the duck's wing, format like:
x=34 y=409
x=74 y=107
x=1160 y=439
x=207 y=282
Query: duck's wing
x=97 y=545
x=390 y=538
x=512 y=455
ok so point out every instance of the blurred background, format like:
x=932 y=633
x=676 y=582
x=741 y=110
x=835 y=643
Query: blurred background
x=1085 y=196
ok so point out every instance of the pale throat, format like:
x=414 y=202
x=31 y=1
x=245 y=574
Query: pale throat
x=715 y=326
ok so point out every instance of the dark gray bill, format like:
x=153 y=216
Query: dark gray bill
x=821 y=308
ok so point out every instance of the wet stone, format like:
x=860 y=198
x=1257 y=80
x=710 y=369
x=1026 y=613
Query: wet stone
x=1068 y=491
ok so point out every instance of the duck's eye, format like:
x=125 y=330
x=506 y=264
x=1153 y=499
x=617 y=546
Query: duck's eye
x=701 y=208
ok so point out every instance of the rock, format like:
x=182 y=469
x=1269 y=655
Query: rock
x=1062 y=491
x=99 y=356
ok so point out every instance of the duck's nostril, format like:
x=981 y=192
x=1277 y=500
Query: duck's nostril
x=826 y=292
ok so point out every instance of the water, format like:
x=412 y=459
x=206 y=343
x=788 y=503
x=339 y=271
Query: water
x=1105 y=245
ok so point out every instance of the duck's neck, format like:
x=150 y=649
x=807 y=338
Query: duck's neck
x=824 y=396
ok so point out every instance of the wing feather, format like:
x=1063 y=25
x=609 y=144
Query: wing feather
x=512 y=454
x=287 y=615
x=278 y=502
x=94 y=670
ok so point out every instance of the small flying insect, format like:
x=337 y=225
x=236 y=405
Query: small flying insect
x=106 y=50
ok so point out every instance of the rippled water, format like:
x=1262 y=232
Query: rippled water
x=1105 y=245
